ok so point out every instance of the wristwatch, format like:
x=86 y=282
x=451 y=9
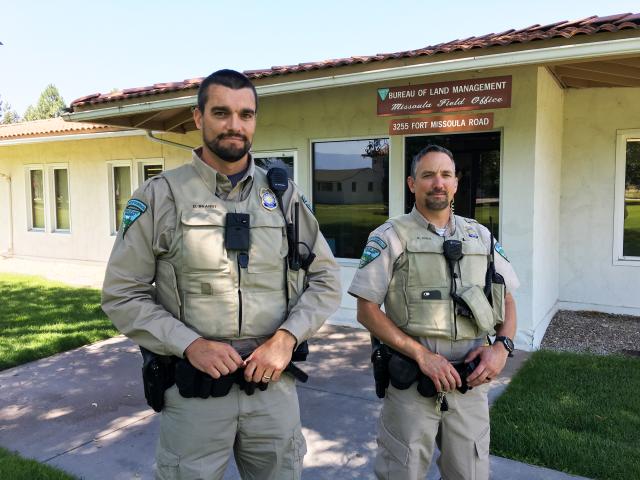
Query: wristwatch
x=507 y=342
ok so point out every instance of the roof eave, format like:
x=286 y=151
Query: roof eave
x=572 y=52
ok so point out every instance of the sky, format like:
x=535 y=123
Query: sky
x=85 y=47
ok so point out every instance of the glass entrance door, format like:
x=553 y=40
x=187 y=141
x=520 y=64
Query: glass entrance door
x=477 y=157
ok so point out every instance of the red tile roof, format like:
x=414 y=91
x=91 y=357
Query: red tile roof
x=50 y=127
x=563 y=29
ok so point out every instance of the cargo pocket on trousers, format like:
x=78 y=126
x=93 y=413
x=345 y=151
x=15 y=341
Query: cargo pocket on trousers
x=392 y=446
x=482 y=455
x=167 y=465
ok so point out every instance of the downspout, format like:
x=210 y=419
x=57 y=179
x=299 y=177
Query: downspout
x=168 y=142
x=9 y=251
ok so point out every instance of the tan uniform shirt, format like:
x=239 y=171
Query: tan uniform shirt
x=371 y=281
x=128 y=290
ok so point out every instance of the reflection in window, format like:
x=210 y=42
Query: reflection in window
x=61 y=194
x=347 y=215
x=121 y=191
x=37 y=198
x=285 y=162
x=150 y=171
x=631 y=242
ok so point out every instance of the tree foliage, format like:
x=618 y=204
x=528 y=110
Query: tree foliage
x=7 y=114
x=50 y=105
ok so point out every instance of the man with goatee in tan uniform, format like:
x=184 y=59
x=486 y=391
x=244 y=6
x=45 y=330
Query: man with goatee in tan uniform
x=429 y=268
x=199 y=272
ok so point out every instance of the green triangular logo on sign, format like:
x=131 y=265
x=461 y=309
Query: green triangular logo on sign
x=383 y=92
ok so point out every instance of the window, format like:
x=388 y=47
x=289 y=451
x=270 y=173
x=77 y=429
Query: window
x=36 y=198
x=284 y=159
x=627 y=207
x=120 y=189
x=60 y=189
x=346 y=218
x=147 y=169
x=370 y=186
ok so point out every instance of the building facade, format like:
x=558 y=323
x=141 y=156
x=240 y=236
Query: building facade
x=544 y=124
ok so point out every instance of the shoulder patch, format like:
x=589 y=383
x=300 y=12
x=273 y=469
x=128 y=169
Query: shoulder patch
x=378 y=241
x=131 y=213
x=500 y=250
x=368 y=255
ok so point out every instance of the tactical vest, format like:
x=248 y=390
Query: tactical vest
x=202 y=283
x=418 y=299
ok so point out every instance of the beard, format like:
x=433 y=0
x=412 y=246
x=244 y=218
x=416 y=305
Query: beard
x=436 y=203
x=229 y=153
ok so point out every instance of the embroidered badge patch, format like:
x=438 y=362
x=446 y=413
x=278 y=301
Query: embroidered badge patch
x=378 y=241
x=500 y=250
x=368 y=256
x=471 y=232
x=131 y=213
x=269 y=200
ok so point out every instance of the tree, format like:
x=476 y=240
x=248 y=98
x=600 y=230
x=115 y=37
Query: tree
x=7 y=114
x=50 y=105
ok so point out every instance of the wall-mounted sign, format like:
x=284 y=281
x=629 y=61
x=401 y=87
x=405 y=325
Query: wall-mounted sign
x=442 y=123
x=475 y=94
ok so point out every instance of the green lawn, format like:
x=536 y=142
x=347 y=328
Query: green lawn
x=631 y=246
x=577 y=413
x=14 y=467
x=39 y=318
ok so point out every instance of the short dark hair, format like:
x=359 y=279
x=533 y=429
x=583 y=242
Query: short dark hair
x=428 y=149
x=227 y=78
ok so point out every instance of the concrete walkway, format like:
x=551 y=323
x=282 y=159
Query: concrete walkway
x=84 y=410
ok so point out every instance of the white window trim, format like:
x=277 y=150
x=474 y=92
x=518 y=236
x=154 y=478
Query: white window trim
x=51 y=210
x=112 y=202
x=280 y=153
x=618 y=212
x=140 y=164
x=29 y=196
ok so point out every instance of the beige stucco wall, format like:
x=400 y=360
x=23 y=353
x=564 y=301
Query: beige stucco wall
x=546 y=205
x=90 y=237
x=350 y=113
x=588 y=277
x=294 y=122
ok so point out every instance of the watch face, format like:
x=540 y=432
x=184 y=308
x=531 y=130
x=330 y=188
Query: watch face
x=508 y=343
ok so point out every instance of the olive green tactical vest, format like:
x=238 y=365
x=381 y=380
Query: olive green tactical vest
x=418 y=299
x=201 y=283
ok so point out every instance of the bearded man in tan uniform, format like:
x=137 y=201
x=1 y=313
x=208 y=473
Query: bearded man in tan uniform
x=181 y=282
x=404 y=266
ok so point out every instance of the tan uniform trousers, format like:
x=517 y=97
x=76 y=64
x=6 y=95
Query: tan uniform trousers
x=409 y=427
x=197 y=436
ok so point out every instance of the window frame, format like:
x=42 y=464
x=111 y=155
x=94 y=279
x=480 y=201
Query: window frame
x=344 y=261
x=29 y=196
x=51 y=210
x=622 y=137
x=280 y=153
x=112 y=201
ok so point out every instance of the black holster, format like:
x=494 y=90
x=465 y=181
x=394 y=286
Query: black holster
x=157 y=376
x=380 y=359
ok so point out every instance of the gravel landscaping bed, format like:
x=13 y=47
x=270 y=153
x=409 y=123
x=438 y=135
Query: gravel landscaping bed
x=594 y=332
